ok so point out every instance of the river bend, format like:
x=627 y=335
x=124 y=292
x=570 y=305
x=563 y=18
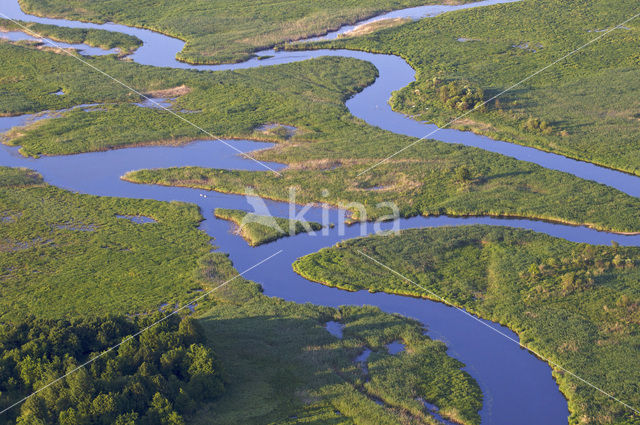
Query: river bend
x=514 y=383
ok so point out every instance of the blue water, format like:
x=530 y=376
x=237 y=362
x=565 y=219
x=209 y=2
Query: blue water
x=138 y=219
x=395 y=347
x=334 y=328
x=515 y=384
x=82 y=48
x=363 y=357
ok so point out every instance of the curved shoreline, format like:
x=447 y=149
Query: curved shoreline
x=537 y=400
x=371 y=104
x=450 y=215
x=540 y=397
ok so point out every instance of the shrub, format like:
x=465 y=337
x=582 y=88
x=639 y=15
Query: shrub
x=460 y=95
x=537 y=125
x=463 y=174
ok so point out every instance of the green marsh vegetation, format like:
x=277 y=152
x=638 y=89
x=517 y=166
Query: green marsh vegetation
x=281 y=365
x=597 y=309
x=588 y=103
x=328 y=150
x=69 y=264
x=226 y=30
x=433 y=187
x=64 y=254
x=259 y=229
x=97 y=38
x=235 y=104
x=577 y=304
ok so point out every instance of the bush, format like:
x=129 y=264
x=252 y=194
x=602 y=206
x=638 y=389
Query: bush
x=460 y=95
x=464 y=174
x=537 y=125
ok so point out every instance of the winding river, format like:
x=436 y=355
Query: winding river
x=516 y=385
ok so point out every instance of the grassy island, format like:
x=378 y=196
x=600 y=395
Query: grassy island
x=577 y=304
x=585 y=107
x=259 y=229
x=92 y=37
x=78 y=277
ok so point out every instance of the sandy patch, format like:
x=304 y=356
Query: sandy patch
x=173 y=92
x=374 y=26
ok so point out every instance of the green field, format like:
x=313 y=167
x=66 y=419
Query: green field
x=328 y=150
x=224 y=30
x=585 y=107
x=97 y=38
x=577 y=304
x=68 y=256
x=260 y=229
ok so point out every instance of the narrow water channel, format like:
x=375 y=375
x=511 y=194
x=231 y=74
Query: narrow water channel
x=515 y=384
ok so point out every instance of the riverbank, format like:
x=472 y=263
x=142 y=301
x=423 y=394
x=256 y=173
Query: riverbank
x=483 y=381
x=575 y=304
x=492 y=48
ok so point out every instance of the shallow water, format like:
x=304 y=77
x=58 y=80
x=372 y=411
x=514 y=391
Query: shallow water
x=155 y=103
x=395 y=347
x=413 y=13
x=334 y=328
x=82 y=48
x=137 y=219
x=515 y=384
x=363 y=357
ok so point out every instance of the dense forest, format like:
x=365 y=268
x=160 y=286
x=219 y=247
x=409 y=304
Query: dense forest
x=152 y=379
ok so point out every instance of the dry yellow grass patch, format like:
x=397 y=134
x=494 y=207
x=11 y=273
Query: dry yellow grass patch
x=474 y=126
x=375 y=26
x=392 y=182
x=172 y=92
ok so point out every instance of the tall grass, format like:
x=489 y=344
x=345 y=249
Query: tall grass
x=576 y=304
x=590 y=100
x=227 y=30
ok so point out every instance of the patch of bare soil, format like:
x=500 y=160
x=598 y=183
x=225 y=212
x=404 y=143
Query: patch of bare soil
x=172 y=92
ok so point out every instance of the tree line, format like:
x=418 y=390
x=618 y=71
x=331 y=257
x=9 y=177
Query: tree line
x=153 y=378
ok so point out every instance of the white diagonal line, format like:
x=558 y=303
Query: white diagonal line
x=500 y=94
x=130 y=337
x=552 y=363
x=71 y=53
